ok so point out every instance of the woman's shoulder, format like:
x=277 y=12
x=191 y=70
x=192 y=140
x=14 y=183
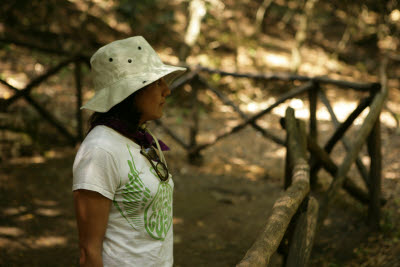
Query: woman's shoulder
x=107 y=139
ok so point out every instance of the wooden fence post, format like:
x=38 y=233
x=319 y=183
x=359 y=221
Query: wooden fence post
x=303 y=236
x=286 y=206
x=313 y=97
x=194 y=156
x=78 y=84
x=288 y=165
x=374 y=151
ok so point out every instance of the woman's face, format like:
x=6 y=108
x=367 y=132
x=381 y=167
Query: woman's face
x=151 y=99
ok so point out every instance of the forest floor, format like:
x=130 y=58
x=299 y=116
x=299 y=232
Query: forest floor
x=219 y=207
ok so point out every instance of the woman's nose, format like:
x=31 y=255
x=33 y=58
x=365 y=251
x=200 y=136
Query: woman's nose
x=166 y=90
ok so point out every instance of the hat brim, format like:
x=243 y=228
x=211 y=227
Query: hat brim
x=115 y=93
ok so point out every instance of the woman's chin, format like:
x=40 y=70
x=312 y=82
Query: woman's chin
x=158 y=116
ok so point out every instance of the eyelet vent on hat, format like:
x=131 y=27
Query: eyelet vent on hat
x=139 y=47
x=110 y=59
x=144 y=81
x=129 y=60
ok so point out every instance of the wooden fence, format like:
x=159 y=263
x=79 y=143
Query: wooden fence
x=25 y=93
x=295 y=200
x=296 y=216
x=300 y=171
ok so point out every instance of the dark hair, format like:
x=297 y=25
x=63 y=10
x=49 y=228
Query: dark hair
x=125 y=111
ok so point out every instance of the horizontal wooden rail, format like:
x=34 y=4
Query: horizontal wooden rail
x=35 y=47
x=294 y=77
x=185 y=79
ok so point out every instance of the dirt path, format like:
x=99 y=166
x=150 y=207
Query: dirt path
x=213 y=215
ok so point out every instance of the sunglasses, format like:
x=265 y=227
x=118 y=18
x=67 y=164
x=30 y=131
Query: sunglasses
x=151 y=155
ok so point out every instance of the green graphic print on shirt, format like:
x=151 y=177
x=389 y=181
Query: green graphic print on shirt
x=157 y=219
x=158 y=215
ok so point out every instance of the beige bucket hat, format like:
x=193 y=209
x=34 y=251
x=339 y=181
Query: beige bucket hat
x=122 y=67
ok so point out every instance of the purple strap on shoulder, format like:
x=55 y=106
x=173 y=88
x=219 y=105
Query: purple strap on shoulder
x=140 y=137
x=145 y=139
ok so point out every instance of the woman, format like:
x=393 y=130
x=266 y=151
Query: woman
x=121 y=184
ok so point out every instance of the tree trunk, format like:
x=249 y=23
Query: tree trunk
x=301 y=34
x=197 y=10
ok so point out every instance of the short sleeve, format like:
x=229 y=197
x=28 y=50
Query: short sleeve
x=95 y=170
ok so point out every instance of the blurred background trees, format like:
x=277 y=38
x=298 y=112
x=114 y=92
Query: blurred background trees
x=345 y=39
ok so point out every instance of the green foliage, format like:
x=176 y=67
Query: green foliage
x=216 y=77
x=179 y=120
x=387 y=222
x=4 y=46
x=360 y=252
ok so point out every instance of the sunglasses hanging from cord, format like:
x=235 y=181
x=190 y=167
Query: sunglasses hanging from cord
x=160 y=168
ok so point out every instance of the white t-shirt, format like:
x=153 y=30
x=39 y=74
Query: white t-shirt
x=140 y=229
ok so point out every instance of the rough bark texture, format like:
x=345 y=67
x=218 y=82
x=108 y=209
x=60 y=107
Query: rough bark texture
x=374 y=150
x=303 y=238
x=286 y=206
x=282 y=212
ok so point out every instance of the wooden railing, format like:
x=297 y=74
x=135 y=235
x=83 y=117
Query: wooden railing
x=297 y=216
x=301 y=171
x=295 y=200
x=314 y=87
x=25 y=93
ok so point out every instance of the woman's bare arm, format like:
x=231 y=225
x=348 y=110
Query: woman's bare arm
x=92 y=210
